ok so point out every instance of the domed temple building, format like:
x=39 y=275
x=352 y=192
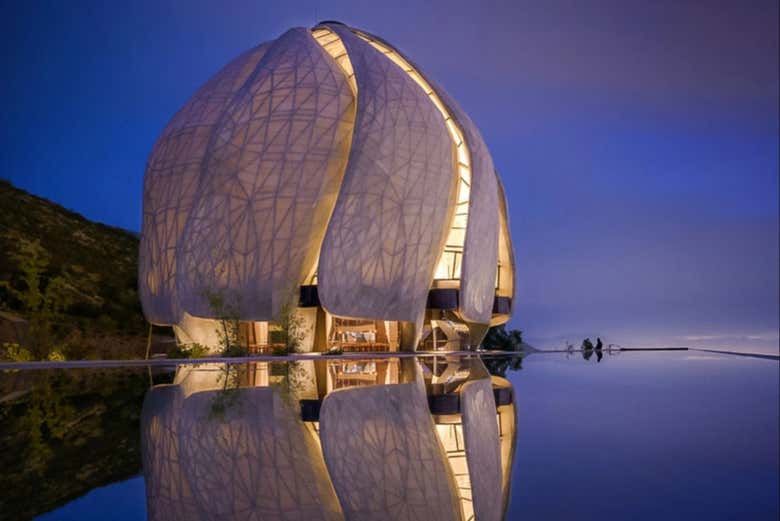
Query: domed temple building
x=320 y=186
x=324 y=175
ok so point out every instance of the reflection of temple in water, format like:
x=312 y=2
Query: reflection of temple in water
x=322 y=179
x=394 y=439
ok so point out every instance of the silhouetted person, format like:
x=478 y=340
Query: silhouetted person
x=587 y=349
x=599 y=346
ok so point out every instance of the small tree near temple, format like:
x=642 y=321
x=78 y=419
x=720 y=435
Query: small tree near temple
x=228 y=330
x=291 y=326
x=499 y=339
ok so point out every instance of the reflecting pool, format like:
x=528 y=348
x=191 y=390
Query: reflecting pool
x=639 y=435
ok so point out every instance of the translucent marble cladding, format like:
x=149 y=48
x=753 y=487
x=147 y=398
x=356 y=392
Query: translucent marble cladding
x=480 y=248
x=171 y=183
x=269 y=182
x=194 y=330
x=384 y=457
x=254 y=461
x=392 y=213
x=483 y=450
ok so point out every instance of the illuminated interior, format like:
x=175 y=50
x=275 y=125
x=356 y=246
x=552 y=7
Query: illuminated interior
x=505 y=275
x=357 y=373
x=450 y=260
x=355 y=335
x=451 y=437
x=444 y=335
x=333 y=45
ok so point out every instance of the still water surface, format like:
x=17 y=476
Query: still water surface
x=650 y=435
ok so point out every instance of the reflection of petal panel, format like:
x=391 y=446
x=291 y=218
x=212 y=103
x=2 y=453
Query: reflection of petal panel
x=483 y=451
x=507 y=415
x=391 y=216
x=168 y=493
x=383 y=455
x=270 y=182
x=171 y=181
x=255 y=460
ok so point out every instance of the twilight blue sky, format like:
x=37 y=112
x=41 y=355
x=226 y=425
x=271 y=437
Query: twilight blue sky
x=638 y=141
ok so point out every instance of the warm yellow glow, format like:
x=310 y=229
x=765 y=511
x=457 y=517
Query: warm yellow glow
x=333 y=45
x=450 y=260
x=451 y=438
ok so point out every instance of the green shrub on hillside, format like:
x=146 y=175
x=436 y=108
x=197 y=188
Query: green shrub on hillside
x=72 y=279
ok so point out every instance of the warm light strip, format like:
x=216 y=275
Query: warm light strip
x=451 y=438
x=333 y=45
x=449 y=262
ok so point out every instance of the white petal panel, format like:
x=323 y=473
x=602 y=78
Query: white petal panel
x=480 y=251
x=270 y=181
x=171 y=182
x=474 y=234
x=392 y=214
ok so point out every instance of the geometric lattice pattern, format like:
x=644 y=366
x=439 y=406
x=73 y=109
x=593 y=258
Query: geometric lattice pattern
x=324 y=155
x=449 y=265
x=168 y=494
x=270 y=181
x=173 y=173
x=254 y=462
x=393 y=210
x=483 y=452
x=480 y=250
x=384 y=457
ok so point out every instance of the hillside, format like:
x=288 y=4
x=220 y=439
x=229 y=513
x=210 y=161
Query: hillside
x=94 y=264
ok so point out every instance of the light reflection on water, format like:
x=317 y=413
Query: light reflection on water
x=227 y=441
x=639 y=435
x=332 y=438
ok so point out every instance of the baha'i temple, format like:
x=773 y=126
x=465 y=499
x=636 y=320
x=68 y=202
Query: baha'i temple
x=323 y=176
x=324 y=171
